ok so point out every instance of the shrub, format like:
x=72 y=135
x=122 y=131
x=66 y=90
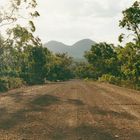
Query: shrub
x=85 y=71
x=3 y=84
x=110 y=79
x=7 y=83
x=129 y=84
x=138 y=86
x=15 y=82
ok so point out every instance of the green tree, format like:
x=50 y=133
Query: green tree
x=21 y=46
x=85 y=70
x=19 y=35
x=36 y=66
x=103 y=58
x=60 y=68
x=131 y=21
x=129 y=60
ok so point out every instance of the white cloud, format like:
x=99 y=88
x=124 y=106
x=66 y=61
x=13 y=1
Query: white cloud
x=72 y=20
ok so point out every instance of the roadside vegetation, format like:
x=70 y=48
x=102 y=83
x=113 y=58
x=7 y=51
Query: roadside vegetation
x=24 y=60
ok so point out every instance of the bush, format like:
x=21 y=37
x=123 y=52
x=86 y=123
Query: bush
x=85 y=71
x=3 y=84
x=7 y=83
x=129 y=84
x=138 y=86
x=15 y=83
x=110 y=79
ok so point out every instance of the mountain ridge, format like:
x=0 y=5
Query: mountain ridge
x=76 y=50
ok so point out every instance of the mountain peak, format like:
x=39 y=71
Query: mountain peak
x=82 y=42
x=53 y=42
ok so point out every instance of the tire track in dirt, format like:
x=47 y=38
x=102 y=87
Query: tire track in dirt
x=120 y=100
x=121 y=117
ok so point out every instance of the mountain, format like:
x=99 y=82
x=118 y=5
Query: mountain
x=76 y=50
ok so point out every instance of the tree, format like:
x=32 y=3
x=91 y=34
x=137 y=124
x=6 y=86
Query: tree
x=131 y=21
x=129 y=60
x=60 y=68
x=15 y=10
x=36 y=66
x=85 y=70
x=103 y=58
x=19 y=35
x=22 y=52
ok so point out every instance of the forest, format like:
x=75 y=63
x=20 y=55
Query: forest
x=24 y=60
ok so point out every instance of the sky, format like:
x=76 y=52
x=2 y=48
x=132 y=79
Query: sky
x=71 y=20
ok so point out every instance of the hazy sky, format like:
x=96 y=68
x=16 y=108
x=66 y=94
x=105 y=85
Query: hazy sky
x=72 y=20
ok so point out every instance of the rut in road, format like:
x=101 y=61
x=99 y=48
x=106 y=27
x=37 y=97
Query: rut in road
x=74 y=110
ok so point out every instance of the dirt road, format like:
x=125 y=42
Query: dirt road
x=74 y=110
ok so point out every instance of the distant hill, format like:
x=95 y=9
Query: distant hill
x=76 y=50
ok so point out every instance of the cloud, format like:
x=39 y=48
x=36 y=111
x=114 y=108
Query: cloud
x=71 y=20
x=105 y=8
